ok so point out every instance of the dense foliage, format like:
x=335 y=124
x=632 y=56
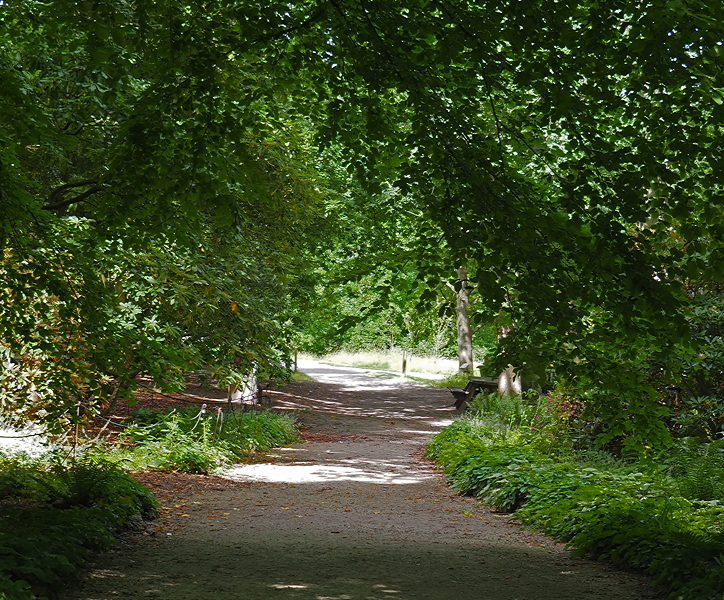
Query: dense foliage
x=661 y=514
x=54 y=515
x=173 y=179
x=149 y=225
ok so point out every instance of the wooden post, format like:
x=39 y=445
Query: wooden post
x=404 y=362
x=78 y=414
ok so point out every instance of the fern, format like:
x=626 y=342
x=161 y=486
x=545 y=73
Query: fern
x=84 y=482
x=708 y=544
x=698 y=469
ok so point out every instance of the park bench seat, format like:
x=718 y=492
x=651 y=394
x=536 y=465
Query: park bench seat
x=474 y=386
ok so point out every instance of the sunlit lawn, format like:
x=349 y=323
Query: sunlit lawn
x=390 y=360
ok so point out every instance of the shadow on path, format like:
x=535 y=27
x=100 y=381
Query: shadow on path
x=352 y=512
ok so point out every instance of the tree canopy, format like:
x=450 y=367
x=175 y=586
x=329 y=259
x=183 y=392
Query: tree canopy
x=570 y=151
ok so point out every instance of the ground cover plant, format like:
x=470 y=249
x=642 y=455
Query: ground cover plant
x=662 y=513
x=55 y=512
x=197 y=439
x=57 y=509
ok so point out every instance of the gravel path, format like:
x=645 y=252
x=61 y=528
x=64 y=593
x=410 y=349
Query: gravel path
x=352 y=512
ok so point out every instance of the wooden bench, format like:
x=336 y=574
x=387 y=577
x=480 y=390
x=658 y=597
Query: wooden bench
x=475 y=385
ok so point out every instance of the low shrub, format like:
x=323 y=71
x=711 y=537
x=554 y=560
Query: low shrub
x=55 y=513
x=454 y=380
x=258 y=431
x=638 y=515
x=507 y=413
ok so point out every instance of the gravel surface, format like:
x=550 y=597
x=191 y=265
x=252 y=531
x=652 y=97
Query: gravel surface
x=351 y=512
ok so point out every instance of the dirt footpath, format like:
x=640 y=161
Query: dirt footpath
x=352 y=512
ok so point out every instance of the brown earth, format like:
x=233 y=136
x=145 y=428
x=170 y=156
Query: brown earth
x=351 y=512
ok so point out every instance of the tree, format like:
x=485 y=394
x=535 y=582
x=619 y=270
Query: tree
x=560 y=147
x=152 y=220
x=560 y=139
x=384 y=274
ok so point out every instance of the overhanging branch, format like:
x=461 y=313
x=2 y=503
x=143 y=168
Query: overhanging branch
x=283 y=32
x=57 y=199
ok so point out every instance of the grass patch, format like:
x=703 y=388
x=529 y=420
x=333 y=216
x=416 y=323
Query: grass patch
x=299 y=377
x=454 y=380
x=390 y=360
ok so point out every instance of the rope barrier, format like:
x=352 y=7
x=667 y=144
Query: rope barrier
x=172 y=397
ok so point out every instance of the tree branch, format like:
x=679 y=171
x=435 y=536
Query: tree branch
x=57 y=199
x=59 y=192
x=283 y=32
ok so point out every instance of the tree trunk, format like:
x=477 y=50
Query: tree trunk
x=248 y=394
x=509 y=382
x=105 y=412
x=465 y=336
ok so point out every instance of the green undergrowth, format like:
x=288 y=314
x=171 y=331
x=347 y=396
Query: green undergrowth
x=200 y=440
x=298 y=376
x=55 y=514
x=454 y=380
x=664 y=517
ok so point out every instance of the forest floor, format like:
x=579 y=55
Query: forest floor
x=351 y=512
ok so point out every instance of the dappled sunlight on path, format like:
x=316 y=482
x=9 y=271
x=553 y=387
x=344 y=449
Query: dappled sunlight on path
x=355 y=379
x=391 y=406
x=380 y=472
x=386 y=462
x=400 y=415
x=352 y=511
x=351 y=391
